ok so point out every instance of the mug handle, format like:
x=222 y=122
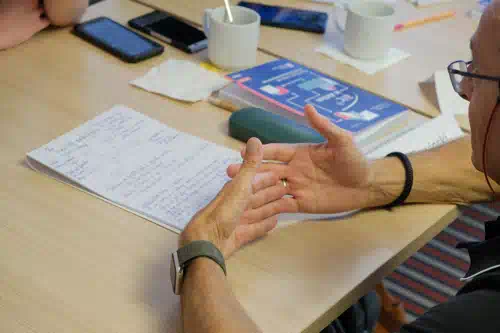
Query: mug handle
x=206 y=21
x=340 y=21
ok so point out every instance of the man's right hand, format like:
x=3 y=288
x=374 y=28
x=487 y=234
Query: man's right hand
x=330 y=177
x=19 y=21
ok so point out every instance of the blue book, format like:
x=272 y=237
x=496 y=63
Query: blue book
x=291 y=86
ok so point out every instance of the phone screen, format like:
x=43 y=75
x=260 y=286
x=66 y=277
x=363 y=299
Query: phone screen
x=289 y=17
x=177 y=31
x=117 y=37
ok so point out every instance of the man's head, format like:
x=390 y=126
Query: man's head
x=483 y=94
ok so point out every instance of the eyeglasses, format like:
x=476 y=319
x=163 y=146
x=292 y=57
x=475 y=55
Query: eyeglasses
x=460 y=69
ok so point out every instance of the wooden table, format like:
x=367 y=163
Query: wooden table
x=432 y=47
x=72 y=263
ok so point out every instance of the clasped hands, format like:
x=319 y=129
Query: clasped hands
x=20 y=20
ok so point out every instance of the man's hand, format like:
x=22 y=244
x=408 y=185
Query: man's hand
x=243 y=211
x=19 y=21
x=321 y=178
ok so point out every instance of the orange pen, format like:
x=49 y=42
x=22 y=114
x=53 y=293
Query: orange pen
x=414 y=23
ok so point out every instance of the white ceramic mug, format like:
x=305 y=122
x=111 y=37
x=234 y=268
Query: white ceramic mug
x=232 y=45
x=368 y=29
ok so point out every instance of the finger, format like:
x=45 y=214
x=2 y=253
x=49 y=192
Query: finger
x=267 y=195
x=280 y=152
x=280 y=170
x=247 y=233
x=241 y=186
x=283 y=205
x=323 y=125
x=263 y=180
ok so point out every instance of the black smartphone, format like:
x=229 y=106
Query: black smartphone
x=118 y=40
x=290 y=18
x=171 y=30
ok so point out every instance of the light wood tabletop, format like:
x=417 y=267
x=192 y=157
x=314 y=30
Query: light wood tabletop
x=72 y=263
x=432 y=47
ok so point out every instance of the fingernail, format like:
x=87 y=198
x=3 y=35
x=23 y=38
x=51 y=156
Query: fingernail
x=252 y=146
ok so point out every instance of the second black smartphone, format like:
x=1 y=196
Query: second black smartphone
x=289 y=18
x=171 y=30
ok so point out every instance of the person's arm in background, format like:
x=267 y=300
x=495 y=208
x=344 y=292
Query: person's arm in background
x=65 y=12
x=336 y=177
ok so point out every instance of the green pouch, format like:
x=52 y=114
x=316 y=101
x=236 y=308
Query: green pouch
x=269 y=128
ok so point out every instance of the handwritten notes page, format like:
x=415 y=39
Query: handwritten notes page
x=140 y=164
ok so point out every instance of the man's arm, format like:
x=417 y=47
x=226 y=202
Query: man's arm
x=242 y=212
x=209 y=305
x=442 y=175
x=65 y=12
x=335 y=176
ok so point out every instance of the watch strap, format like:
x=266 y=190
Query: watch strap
x=200 y=248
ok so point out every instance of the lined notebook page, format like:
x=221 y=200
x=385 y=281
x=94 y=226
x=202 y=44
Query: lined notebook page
x=139 y=164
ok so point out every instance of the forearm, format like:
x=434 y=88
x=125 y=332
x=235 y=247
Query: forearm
x=65 y=12
x=441 y=175
x=208 y=304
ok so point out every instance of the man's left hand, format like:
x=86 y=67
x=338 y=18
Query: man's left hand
x=244 y=210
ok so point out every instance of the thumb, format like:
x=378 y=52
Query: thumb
x=331 y=132
x=241 y=188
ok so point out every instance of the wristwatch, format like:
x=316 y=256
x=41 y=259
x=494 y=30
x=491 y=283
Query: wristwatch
x=186 y=254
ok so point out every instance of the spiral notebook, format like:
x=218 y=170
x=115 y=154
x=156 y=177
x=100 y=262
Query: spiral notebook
x=139 y=164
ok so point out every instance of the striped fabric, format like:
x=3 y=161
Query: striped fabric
x=432 y=275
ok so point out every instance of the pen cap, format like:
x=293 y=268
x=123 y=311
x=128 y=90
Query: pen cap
x=269 y=128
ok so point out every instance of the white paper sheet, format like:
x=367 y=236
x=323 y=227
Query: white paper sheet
x=335 y=50
x=181 y=80
x=140 y=164
x=285 y=219
x=449 y=101
x=432 y=134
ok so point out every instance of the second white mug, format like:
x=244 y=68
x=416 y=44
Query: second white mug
x=232 y=45
x=368 y=29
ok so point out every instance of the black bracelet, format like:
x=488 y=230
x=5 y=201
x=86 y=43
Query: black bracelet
x=408 y=180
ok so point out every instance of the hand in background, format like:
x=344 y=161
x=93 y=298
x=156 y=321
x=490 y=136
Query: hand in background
x=244 y=210
x=329 y=177
x=19 y=21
